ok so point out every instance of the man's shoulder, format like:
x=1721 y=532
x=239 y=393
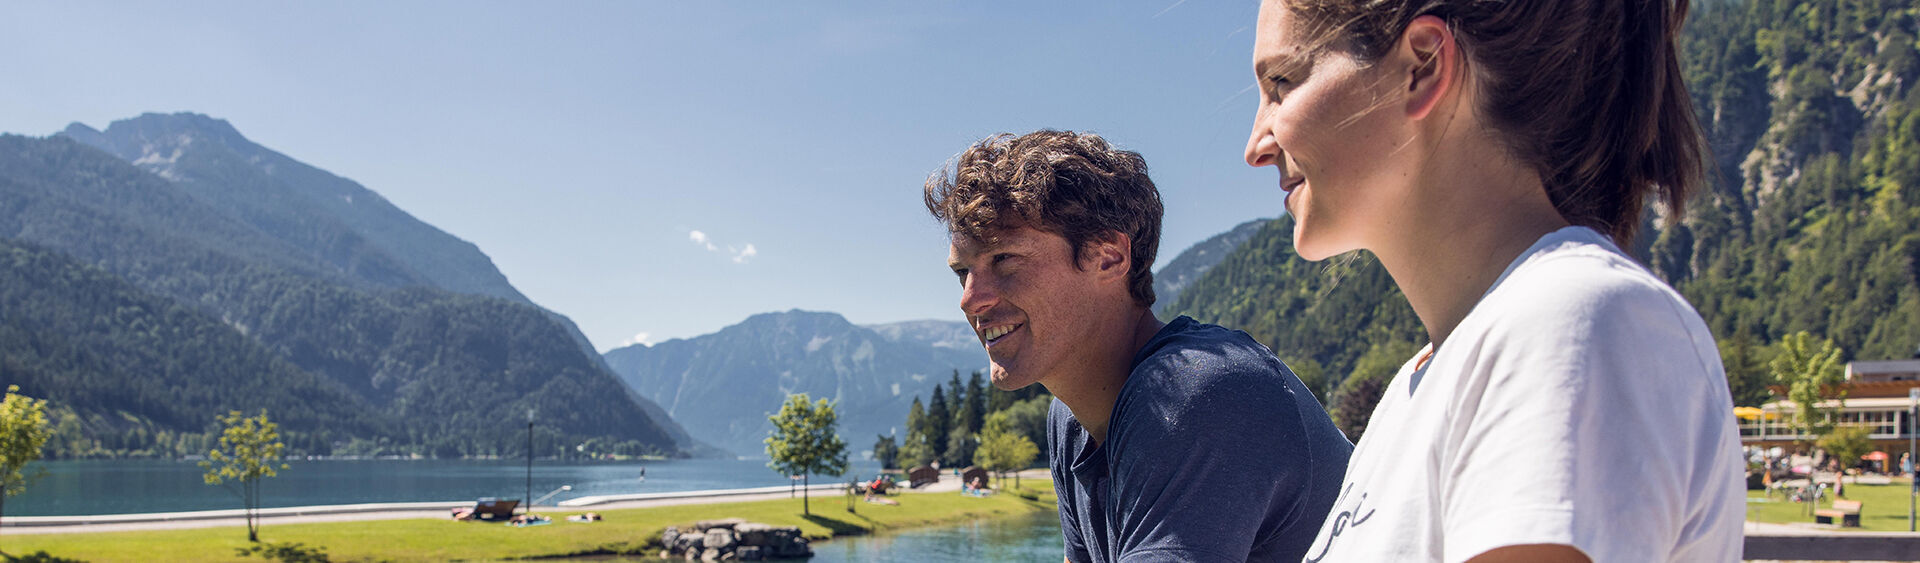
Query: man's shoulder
x=1198 y=354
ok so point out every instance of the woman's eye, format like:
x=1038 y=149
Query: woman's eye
x=1279 y=83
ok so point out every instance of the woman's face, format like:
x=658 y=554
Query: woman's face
x=1328 y=122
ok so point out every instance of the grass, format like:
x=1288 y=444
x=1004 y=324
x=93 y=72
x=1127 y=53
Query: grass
x=1883 y=508
x=632 y=531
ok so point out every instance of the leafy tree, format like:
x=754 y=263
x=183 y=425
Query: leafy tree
x=1353 y=402
x=804 y=441
x=1003 y=448
x=1028 y=417
x=1313 y=375
x=1846 y=444
x=1811 y=372
x=960 y=447
x=884 y=451
x=248 y=448
x=23 y=431
x=1747 y=371
x=914 y=452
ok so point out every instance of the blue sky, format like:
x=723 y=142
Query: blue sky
x=582 y=144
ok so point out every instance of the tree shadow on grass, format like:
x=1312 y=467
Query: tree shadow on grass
x=843 y=527
x=36 y=557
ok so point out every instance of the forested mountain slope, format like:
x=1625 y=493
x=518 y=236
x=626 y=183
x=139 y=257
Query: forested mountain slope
x=1812 y=225
x=446 y=373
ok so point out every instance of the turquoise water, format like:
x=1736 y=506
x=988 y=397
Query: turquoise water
x=72 y=488
x=1026 y=538
x=1019 y=538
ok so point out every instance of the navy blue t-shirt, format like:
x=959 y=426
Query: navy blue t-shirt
x=1214 y=452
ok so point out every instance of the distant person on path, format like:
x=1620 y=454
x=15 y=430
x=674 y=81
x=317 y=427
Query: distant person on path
x=1175 y=441
x=1495 y=157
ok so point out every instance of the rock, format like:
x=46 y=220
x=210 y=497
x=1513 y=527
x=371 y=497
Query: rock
x=664 y=554
x=754 y=534
x=721 y=539
x=710 y=554
x=750 y=553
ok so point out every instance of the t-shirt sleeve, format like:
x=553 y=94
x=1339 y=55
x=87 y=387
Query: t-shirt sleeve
x=1582 y=423
x=1076 y=547
x=1058 y=446
x=1206 y=462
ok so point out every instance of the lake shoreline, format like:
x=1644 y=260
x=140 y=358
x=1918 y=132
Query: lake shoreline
x=432 y=536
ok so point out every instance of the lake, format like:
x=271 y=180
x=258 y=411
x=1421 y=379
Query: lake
x=1021 y=538
x=90 y=487
x=1015 y=538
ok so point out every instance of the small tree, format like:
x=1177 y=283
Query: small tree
x=1810 y=371
x=23 y=431
x=1003 y=449
x=884 y=449
x=247 y=450
x=804 y=441
x=913 y=452
x=1846 y=444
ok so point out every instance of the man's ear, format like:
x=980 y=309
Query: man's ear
x=1109 y=255
x=1432 y=62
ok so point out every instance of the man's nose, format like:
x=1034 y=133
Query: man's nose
x=977 y=295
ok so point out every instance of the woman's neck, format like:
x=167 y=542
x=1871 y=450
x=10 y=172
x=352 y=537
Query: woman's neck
x=1476 y=216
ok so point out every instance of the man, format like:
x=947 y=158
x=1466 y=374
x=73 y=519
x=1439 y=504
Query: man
x=1175 y=441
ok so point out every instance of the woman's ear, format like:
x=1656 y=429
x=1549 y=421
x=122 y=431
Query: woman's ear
x=1432 y=63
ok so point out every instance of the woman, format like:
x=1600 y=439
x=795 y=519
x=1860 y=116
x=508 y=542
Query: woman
x=1496 y=156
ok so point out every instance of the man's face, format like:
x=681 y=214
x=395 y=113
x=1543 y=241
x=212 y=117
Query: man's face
x=1025 y=299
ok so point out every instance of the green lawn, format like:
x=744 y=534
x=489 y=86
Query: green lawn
x=1883 y=508
x=623 y=531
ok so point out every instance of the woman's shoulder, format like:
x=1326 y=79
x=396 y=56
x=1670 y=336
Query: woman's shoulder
x=1578 y=275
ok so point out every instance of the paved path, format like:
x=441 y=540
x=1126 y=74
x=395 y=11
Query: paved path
x=397 y=511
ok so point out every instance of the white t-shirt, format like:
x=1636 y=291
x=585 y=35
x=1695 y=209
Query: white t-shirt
x=1581 y=402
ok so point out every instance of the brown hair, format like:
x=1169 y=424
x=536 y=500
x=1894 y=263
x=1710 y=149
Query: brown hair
x=1588 y=92
x=1071 y=184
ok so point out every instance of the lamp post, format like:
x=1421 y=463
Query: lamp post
x=529 y=495
x=1913 y=457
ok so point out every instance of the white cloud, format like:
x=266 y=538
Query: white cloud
x=739 y=254
x=744 y=253
x=642 y=338
x=700 y=239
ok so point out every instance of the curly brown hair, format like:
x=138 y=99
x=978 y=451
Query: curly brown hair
x=1071 y=184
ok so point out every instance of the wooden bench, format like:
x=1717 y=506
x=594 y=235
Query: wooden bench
x=1848 y=511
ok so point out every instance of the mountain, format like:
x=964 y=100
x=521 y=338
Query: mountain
x=99 y=348
x=1193 y=262
x=335 y=219
x=326 y=225
x=1813 y=223
x=952 y=335
x=200 y=224
x=724 y=385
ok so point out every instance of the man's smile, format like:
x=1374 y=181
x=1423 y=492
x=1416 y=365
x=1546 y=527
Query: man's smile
x=994 y=334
